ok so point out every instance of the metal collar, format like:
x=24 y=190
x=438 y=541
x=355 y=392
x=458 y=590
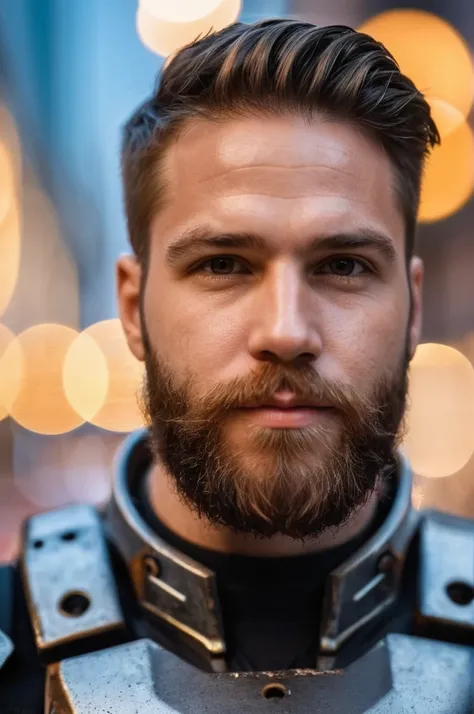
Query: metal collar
x=180 y=591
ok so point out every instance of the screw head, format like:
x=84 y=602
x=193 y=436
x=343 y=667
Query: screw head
x=152 y=566
x=385 y=563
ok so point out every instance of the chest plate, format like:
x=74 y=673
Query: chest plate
x=400 y=675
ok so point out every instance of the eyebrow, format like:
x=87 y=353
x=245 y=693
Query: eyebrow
x=196 y=239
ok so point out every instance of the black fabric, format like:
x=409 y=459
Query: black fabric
x=22 y=678
x=271 y=607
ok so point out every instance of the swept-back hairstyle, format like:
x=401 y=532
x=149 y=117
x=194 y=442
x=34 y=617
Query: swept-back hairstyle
x=278 y=67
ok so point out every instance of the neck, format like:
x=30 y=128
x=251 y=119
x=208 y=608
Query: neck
x=178 y=517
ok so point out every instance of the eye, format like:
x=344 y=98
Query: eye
x=343 y=267
x=220 y=265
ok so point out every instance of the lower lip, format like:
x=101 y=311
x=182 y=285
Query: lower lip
x=287 y=418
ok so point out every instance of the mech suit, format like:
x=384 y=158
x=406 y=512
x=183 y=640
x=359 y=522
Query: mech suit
x=102 y=614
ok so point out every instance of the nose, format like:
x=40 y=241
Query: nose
x=284 y=324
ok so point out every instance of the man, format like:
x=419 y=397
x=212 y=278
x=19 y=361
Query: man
x=260 y=541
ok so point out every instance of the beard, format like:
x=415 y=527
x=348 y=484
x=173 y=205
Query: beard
x=295 y=482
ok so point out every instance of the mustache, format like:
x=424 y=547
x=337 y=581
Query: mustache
x=295 y=493
x=182 y=407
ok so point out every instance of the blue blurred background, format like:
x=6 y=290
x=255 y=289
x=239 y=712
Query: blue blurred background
x=71 y=71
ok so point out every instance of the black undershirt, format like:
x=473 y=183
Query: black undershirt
x=271 y=606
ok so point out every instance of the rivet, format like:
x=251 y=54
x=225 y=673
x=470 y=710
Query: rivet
x=385 y=563
x=152 y=566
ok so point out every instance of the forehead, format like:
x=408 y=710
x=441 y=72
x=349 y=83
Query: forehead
x=279 y=176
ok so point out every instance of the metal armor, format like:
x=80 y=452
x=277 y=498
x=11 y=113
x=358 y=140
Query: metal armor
x=73 y=599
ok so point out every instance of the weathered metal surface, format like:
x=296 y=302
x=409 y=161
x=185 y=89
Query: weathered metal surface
x=68 y=578
x=170 y=586
x=447 y=572
x=366 y=585
x=402 y=675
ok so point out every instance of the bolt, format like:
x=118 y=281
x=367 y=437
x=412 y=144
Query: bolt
x=152 y=566
x=385 y=563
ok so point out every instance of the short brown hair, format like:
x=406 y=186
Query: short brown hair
x=278 y=66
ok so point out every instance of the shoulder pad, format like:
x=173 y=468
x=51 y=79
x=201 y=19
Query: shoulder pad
x=69 y=583
x=446 y=590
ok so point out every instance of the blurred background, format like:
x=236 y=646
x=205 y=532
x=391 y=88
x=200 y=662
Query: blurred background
x=71 y=72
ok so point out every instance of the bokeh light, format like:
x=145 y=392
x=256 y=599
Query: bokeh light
x=164 y=36
x=9 y=381
x=429 y=51
x=179 y=10
x=86 y=376
x=440 y=417
x=113 y=402
x=10 y=210
x=10 y=247
x=449 y=176
x=47 y=289
x=10 y=140
x=446 y=117
x=7 y=180
x=40 y=404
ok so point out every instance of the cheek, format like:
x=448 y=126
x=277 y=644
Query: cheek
x=370 y=340
x=192 y=333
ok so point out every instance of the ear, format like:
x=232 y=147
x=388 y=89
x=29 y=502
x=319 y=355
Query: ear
x=415 y=278
x=129 y=272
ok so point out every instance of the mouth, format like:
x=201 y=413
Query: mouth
x=287 y=411
x=288 y=400
x=286 y=407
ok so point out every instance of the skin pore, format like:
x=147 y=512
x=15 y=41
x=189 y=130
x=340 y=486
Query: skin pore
x=278 y=255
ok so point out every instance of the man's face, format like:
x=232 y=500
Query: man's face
x=277 y=278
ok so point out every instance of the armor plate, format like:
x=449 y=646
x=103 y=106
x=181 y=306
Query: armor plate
x=401 y=675
x=65 y=556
